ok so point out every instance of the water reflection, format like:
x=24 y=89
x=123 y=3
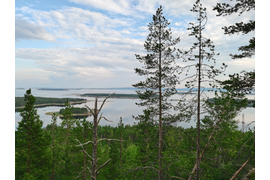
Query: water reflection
x=113 y=108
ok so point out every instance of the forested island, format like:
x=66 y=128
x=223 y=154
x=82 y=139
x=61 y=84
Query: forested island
x=76 y=111
x=46 y=101
x=250 y=102
x=52 y=89
x=119 y=96
x=104 y=95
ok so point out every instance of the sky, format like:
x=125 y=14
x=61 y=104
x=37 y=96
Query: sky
x=91 y=44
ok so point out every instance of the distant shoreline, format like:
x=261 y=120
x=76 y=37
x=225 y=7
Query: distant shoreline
x=74 y=115
x=53 y=104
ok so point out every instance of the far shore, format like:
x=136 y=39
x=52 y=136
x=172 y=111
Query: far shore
x=54 y=104
x=59 y=115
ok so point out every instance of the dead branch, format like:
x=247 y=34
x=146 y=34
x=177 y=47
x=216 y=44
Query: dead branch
x=240 y=169
x=245 y=143
x=83 y=143
x=250 y=171
x=84 y=150
x=104 y=101
x=102 y=166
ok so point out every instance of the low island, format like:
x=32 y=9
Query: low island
x=104 y=95
x=76 y=111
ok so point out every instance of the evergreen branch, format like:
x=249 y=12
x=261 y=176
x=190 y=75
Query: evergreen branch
x=146 y=167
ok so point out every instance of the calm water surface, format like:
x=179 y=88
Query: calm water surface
x=113 y=109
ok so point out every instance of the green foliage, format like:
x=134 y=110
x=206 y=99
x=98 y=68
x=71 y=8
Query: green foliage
x=227 y=150
x=32 y=158
x=75 y=110
x=240 y=7
x=19 y=101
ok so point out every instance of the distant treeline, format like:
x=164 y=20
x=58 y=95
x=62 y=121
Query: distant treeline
x=75 y=110
x=133 y=96
x=51 y=89
x=251 y=103
x=19 y=101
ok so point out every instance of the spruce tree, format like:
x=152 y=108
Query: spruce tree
x=159 y=69
x=32 y=156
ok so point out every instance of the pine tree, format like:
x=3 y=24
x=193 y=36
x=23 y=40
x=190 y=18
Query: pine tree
x=204 y=71
x=159 y=69
x=32 y=156
x=240 y=7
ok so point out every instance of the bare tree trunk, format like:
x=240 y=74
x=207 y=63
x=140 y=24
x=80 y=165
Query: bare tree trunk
x=93 y=162
x=210 y=137
x=94 y=153
x=240 y=169
x=198 y=107
x=160 y=118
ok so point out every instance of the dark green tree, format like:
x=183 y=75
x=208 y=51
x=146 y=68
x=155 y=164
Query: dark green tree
x=244 y=81
x=83 y=133
x=54 y=119
x=147 y=146
x=67 y=125
x=32 y=159
x=159 y=69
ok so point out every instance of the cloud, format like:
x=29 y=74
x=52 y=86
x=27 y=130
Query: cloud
x=123 y=7
x=33 y=75
x=99 y=47
x=29 y=31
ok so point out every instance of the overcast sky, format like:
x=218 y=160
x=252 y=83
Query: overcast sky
x=90 y=43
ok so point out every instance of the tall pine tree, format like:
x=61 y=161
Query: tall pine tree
x=32 y=145
x=159 y=69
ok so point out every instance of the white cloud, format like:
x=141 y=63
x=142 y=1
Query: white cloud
x=123 y=7
x=104 y=43
x=30 y=31
x=33 y=75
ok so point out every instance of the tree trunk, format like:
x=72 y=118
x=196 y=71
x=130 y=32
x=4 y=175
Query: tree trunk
x=160 y=116
x=198 y=106
x=94 y=153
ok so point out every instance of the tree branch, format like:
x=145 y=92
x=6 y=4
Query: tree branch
x=240 y=169
x=84 y=150
x=102 y=166
x=104 y=101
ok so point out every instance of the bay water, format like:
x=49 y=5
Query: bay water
x=114 y=108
